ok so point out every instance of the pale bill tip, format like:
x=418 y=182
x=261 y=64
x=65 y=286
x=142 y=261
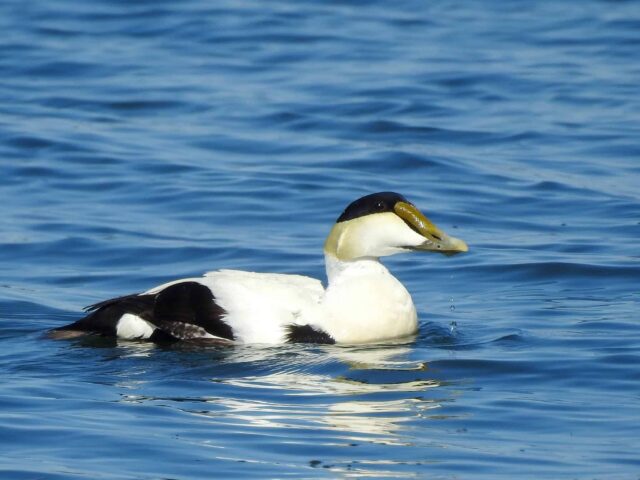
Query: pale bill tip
x=456 y=245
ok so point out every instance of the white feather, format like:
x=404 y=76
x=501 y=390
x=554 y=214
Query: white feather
x=132 y=327
x=260 y=305
x=365 y=303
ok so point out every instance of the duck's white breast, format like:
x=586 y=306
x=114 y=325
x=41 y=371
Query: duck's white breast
x=365 y=303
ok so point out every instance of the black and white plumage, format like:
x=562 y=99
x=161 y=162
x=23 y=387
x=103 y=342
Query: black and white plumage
x=362 y=303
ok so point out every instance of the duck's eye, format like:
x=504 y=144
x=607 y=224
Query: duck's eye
x=380 y=206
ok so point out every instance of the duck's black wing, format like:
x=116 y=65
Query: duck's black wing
x=188 y=310
x=182 y=311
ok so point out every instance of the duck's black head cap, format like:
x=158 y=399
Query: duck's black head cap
x=374 y=203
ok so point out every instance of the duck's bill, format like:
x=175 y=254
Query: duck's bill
x=435 y=239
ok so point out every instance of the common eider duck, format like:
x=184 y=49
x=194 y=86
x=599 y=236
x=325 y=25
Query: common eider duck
x=362 y=303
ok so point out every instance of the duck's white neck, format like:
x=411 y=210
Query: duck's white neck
x=365 y=303
x=335 y=267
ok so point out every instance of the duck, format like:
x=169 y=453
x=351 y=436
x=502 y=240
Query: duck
x=362 y=302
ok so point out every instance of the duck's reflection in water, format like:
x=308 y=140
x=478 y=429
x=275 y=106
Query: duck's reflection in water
x=311 y=398
x=377 y=393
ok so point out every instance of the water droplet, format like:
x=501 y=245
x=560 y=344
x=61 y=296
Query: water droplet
x=452 y=308
x=453 y=327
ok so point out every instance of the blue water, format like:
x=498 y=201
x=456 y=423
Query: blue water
x=146 y=141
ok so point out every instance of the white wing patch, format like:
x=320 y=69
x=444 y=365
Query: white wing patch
x=132 y=327
x=260 y=305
